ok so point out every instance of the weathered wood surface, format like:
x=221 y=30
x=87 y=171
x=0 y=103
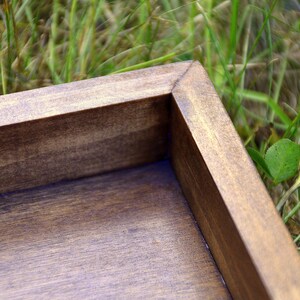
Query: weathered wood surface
x=248 y=240
x=128 y=234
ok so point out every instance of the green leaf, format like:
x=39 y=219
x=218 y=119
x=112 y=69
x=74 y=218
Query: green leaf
x=282 y=159
x=258 y=158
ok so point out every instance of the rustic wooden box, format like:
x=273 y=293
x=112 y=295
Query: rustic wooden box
x=91 y=207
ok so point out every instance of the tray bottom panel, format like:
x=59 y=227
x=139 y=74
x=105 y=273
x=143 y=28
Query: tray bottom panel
x=126 y=234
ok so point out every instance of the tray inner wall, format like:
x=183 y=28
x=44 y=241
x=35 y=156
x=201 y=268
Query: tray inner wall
x=84 y=143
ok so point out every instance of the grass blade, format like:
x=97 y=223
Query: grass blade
x=233 y=30
x=72 y=43
x=263 y=98
x=148 y=63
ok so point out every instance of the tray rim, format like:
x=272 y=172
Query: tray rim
x=274 y=261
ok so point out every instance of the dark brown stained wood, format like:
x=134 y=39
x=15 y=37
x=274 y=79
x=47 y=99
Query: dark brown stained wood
x=88 y=94
x=247 y=238
x=84 y=143
x=128 y=234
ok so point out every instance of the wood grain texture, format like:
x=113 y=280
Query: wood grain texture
x=88 y=94
x=86 y=127
x=247 y=238
x=128 y=234
x=84 y=143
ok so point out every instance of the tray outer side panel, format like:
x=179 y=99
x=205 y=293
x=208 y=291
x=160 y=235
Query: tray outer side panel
x=239 y=221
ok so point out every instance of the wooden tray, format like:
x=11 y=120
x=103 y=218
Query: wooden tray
x=105 y=183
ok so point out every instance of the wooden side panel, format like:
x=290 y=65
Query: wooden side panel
x=211 y=213
x=83 y=143
x=247 y=238
x=88 y=94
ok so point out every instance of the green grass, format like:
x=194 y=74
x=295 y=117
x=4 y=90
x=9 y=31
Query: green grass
x=251 y=51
